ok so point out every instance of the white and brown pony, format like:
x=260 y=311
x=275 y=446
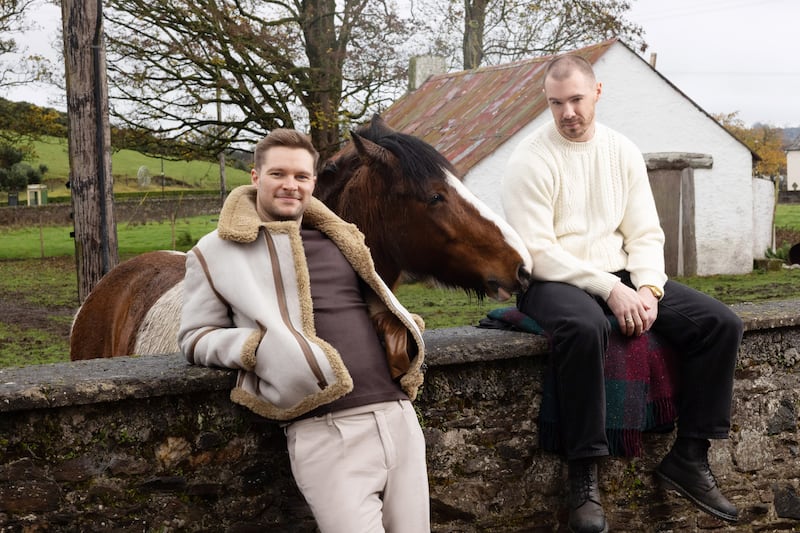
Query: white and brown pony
x=419 y=220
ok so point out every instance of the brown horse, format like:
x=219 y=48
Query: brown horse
x=417 y=217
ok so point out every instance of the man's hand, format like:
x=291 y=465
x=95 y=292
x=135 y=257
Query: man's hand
x=635 y=311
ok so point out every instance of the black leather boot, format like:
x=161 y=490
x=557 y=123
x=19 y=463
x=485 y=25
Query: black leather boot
x=585 y=510
x=685 y=469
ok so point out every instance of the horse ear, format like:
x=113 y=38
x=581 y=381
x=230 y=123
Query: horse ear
x=378 y=121
x=379 y=127
x=370 y=151
x=329 y=168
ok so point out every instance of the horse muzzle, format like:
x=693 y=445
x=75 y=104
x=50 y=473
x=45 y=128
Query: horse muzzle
x=502 y=292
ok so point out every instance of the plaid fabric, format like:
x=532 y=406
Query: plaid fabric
x=640 y=375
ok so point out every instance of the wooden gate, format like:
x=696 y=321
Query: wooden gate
x=672 y=181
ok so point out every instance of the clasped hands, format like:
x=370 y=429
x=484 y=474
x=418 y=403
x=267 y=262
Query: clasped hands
x=634 y=310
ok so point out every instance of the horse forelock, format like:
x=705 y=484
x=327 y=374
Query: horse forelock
x=419 y=163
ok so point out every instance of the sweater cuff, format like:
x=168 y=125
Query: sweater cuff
x=603 y=285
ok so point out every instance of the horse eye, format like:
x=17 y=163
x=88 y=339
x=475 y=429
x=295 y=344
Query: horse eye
x=436 y=198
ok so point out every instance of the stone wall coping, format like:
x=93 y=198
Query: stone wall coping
x=677 y=160
x=105 y=380
x=769 y=315
x=114 y=379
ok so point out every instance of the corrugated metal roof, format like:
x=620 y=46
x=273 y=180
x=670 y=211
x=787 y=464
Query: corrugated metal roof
x=466 y=115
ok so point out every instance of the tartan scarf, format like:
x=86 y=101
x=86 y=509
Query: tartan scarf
x=640 y=378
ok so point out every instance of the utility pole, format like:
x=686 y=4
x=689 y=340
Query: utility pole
x=222 y=185
x=89 y=138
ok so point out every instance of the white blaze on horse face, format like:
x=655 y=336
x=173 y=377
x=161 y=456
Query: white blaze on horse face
x=511 y=237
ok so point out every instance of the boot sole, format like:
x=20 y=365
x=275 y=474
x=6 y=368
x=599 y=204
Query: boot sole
x=670 y=484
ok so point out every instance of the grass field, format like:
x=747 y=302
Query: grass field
x=50 y=241
x=787 y=216
x=125 y=165
x=38 y=284
x=39 y=297
x=55 y=241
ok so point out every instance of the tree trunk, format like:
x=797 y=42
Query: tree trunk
x=474 y=20
x=89 y=138
x=223 y=185
x=325 y=53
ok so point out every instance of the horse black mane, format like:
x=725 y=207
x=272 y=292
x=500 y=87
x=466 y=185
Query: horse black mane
x=419 y=161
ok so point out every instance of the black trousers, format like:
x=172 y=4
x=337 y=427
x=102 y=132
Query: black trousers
x=705 y=333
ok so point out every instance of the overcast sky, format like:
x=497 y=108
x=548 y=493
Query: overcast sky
x=726 y=55
x=46 y=19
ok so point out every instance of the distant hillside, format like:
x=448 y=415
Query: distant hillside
x=136 y=172
x=791 y=135
x=133 y=171
x=26 y=119
x=29 y=119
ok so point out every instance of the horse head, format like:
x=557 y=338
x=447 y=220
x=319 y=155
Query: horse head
x=418 y=218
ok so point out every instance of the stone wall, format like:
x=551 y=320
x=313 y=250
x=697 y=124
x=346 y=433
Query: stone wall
x=148 y=209
x=789 y=197
x=153 y=444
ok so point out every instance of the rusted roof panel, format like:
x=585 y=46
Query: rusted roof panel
x=466 y=115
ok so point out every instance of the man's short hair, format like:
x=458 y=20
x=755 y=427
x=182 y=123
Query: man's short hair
x=287 y=138
x=562 y=66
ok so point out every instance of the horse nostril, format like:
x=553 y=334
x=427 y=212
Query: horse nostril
x=523 y=276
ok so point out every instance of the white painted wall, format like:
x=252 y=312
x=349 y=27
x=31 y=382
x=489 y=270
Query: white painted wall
x=763 y=216
x=658 y=118
x=793 y=170
x=485 y=177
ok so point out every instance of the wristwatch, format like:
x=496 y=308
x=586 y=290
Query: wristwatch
x=658 y=293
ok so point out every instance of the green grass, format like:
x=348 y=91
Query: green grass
x=41 y=347
x=40 y=298
x=444 y=308
x=54 y=241
x=788 y=216
x=125 y=164
x=758 y=286
x=49 y=284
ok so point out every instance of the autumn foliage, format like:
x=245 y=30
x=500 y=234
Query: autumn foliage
x=765 y=141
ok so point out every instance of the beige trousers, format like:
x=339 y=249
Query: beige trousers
x=363 y=470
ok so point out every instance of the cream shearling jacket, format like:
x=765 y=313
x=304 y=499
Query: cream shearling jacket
x=247 y=306
x=584 y=210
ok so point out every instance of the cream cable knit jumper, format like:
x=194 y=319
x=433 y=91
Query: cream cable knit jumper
x=584 y=210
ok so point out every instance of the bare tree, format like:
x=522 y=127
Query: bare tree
x=16 y=68
x=11 y=20
x=474 y=29
x=263 y=63
x=498 y=31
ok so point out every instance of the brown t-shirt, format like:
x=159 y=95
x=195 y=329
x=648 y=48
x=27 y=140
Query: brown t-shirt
x=341 y=318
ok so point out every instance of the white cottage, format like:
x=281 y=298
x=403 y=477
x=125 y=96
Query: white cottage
x=702 y=176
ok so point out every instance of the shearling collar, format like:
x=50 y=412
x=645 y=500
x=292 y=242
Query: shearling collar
x=239 y=220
